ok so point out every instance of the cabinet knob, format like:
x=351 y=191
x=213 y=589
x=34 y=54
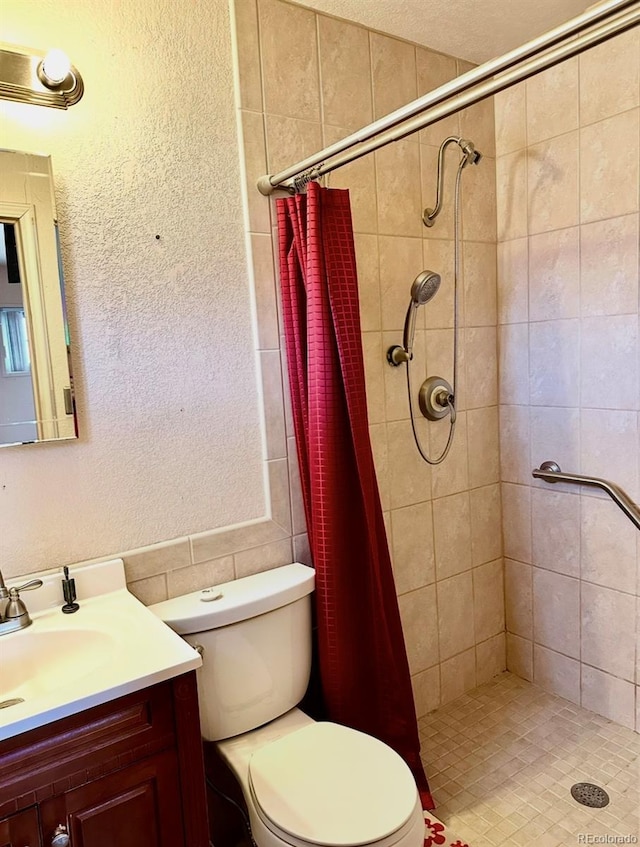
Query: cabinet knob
x=60 y=837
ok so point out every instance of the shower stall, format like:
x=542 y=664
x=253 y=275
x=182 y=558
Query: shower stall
x=494 y=570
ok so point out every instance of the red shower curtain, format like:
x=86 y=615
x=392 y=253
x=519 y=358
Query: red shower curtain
x=363 y=663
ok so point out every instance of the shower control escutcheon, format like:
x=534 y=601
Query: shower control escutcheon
x=436 y=399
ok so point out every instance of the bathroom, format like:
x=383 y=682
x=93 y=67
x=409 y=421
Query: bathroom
x=185 y=465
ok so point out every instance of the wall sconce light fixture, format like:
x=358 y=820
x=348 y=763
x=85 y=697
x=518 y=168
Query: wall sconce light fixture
x=42 y=79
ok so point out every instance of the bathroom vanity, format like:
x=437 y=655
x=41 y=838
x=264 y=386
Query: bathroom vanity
x=100 y=742
x=127 y=772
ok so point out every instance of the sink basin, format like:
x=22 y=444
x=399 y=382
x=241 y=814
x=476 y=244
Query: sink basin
x=36 y=662
x=62 y=664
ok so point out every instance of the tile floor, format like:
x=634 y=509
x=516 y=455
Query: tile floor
x=501 y=761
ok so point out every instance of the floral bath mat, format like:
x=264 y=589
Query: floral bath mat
x=438 y=834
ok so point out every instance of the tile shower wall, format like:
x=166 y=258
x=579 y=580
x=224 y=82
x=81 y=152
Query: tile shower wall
x=567 y=182
x=307 y=80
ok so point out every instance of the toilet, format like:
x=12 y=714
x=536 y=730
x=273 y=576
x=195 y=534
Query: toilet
x=305 y=783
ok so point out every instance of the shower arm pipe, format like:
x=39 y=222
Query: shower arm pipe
x=467 y=89
x=430 y=215
x=551 y=472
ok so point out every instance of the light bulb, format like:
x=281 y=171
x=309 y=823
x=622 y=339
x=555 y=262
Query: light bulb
x=55 y=67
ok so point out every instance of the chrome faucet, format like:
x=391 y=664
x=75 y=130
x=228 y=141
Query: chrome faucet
x=13 y=612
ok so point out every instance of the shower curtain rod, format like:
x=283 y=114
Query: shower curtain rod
x=594 y=26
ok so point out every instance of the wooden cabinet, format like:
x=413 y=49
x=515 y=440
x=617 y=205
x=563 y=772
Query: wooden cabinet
x=128 y=773
x=21 y=829
x=136 y=805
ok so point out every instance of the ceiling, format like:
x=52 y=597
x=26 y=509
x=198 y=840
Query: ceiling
x=468 y=29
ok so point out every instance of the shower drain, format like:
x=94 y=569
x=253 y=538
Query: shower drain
x=590 y=795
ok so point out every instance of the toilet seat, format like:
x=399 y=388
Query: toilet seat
x=329 y=785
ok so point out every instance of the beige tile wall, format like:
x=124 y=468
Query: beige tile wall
x=327 y=78
x=567 y=143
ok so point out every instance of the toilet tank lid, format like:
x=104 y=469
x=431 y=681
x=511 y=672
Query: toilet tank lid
x=237 y=600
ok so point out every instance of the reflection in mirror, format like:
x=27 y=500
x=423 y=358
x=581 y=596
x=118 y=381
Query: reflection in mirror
x=17 y=406
x=36 y=388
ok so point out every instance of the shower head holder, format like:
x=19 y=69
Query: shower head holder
x=397 y=355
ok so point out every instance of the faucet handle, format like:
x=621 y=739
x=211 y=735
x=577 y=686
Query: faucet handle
x=28 y=586
x=13 y=612
x=15 y=606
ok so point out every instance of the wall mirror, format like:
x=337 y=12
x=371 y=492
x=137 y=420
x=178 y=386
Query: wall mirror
x=36 y=386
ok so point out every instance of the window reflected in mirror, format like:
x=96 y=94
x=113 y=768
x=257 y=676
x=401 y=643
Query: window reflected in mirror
x=15 y=342
x=17 y=406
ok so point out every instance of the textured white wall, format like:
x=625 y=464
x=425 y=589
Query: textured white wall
x=164 y=357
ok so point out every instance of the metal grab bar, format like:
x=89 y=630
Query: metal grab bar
x=552 y=472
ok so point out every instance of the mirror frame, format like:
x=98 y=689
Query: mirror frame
x=27 y=201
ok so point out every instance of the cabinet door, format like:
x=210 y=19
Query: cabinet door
x=20 y=830
x=138 y=806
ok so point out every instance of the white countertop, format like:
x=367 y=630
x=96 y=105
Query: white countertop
x=63 y=664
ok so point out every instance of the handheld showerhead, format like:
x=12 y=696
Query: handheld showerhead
x=424 y=288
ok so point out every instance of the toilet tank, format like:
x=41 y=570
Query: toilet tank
x=255 y=638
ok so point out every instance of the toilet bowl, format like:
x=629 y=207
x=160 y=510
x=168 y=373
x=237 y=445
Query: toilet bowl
x=308 y=783
x=305 y=783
